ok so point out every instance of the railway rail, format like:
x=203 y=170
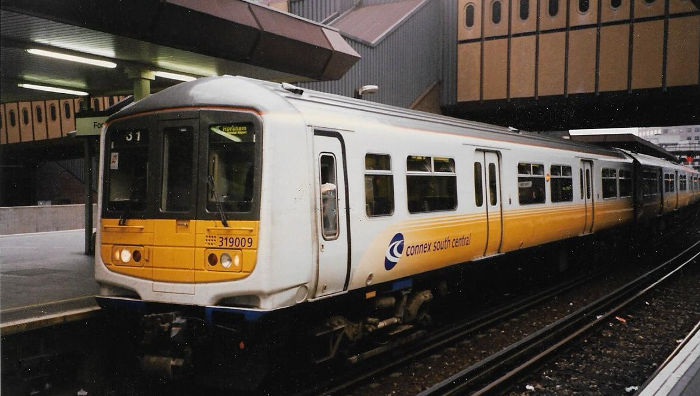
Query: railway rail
x=500 y=369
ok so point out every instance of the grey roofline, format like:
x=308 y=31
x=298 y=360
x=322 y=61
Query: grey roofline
x=387 y=32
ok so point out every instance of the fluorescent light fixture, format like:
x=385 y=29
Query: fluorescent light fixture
x=72 y=58
x=174 y=76
x=52 y=89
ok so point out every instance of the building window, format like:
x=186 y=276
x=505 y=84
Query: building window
x=562 y=186
x=469 y=15
x=478 y=186
x=379 y=185
x=66 y=110
x=431 y=184
x=609 y=183
x=496 y=12
x=615 y=3
x=625 y=183
x=583 y=6
x=13 y=119
x=530 y=183
x=524 y=9
x=25 y=116
x=553 y=7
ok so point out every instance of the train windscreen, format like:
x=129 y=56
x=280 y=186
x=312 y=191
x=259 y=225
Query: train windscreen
x=231 y=167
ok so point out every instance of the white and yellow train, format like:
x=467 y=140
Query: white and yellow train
x=228 y=200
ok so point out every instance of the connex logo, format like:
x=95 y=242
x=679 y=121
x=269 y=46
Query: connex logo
x=394 y=251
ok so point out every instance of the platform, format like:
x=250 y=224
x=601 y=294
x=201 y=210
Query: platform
x=45 y=279
x=681 y=375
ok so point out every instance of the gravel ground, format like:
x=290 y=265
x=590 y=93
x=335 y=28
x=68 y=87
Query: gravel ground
x=582 y=372
x=619 y=356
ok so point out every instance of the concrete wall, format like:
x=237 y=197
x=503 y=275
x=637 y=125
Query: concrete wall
x=23 y=219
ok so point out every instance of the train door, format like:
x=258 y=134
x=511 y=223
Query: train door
x=491 y=176
x=588 y=194
x=331 y=213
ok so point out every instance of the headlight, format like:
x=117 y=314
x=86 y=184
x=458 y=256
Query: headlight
x=125 y=255
x=226 y=260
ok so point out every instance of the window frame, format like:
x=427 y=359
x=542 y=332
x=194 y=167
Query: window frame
x=380 y=172
x=608 y=178
x=432 y=173
x=532 y=175
x=560 y=176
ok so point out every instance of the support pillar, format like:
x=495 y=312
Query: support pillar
x=142 y=81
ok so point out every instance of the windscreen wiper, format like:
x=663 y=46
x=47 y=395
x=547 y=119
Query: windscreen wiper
x=219 y=205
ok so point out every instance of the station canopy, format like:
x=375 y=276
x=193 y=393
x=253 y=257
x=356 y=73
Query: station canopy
x=141 y=37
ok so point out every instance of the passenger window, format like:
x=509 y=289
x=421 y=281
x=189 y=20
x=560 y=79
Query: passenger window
x=625 y=183
x=682 y=182
x=379 y=185
x=39 y=115
x=562 y=185
x=13 y=119
x=530 y=183
x=609 y=183
x=66 y=110
x=329 y=197
x=650 y=183
x=478 y=186
x=177 y=169
x=493 y=188
x=615 y=3
x=669 y=182
x=431 y=184
x=52 y=111
x=25 y=116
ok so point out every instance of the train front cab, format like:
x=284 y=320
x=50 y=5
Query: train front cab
x=180 y=203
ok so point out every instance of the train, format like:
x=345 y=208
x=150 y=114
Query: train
x=235 y=212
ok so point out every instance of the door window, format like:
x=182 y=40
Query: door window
x=329 y=196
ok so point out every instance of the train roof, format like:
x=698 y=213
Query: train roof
x=269 y=97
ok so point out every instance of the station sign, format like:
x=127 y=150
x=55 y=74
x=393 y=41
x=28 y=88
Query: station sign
x=89 y=126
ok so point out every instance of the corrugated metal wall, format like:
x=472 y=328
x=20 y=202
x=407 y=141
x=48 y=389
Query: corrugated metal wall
x=403 y=65
x=449 y=53
x=319 y=10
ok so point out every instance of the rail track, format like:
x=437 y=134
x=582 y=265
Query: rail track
x=499 y=370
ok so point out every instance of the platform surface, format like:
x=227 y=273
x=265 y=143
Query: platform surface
x=45 y=279
x=681 y=375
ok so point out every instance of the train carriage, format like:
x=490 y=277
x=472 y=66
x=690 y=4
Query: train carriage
x=243 y=198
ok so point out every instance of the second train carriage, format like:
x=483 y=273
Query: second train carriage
x=231 y=197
